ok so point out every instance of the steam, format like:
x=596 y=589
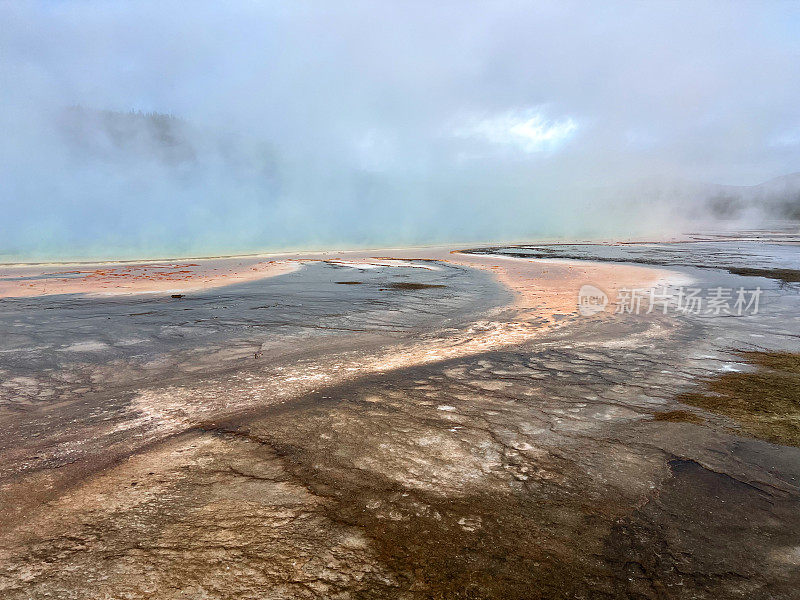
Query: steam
x=318 y=124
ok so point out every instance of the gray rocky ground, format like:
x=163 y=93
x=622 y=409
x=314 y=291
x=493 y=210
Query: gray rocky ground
x=545 y=469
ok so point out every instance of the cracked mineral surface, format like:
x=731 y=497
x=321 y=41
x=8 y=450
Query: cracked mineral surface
x=448 y=428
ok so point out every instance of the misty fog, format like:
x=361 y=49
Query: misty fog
x=155 y=129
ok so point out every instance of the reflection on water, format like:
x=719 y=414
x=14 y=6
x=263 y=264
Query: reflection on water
x=65 y=338
x=707 y=263
x=766 y=253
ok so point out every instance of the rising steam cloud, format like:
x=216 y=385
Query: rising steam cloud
x=159 y=128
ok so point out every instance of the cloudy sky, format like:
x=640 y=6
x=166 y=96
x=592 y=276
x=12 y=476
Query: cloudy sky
x=374 y=123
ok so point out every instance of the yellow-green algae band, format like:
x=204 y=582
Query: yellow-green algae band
x=765 y=402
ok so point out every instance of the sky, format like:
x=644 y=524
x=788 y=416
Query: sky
x=351 y=124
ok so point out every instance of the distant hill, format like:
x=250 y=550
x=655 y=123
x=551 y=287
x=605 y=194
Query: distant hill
x=128 y=138
x=777 y=198
x=688 y=204
x=124 y=135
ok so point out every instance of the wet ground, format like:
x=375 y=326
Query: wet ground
x=53 y=345
x=542 y=470
x=75 y=369
x=768 y=254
